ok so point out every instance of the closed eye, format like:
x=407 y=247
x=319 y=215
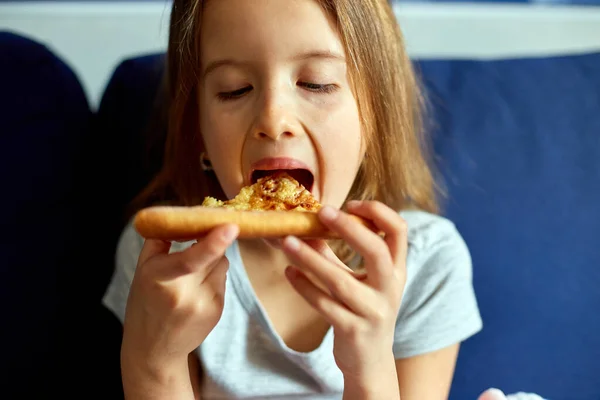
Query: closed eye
x=315 y=87
x=224 y=96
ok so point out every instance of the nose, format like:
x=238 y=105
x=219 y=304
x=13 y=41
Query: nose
x=275 y=118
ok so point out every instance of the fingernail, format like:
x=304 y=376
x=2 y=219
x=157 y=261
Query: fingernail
x=328 y=213
x=292 y=243
x=230 y=233
x=352 y=203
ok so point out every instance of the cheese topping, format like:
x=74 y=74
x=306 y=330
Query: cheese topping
x=279 y=192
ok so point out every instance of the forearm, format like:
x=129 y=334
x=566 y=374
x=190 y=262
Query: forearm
x=381 y=384
x=142 y=382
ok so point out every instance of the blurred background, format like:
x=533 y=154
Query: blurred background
x=94 y=36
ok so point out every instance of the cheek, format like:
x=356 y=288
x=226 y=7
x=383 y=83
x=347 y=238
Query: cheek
x=342 y=152
x=343 y=133
x=223 y=147
x=348 y=134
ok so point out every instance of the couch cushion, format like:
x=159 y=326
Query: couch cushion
x=120 y=162
x=518 y=144
x=132 y=128
x=45 y=117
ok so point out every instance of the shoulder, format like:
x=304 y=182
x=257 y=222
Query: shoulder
x=128 y=251
x=131 y=243
x=129 y=247
x=436 y=250
x=439 y=306
x=427 y=231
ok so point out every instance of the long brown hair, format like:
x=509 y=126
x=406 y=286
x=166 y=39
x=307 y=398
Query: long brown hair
x=396 y=169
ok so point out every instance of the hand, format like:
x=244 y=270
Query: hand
x=362 y=310
x=175 y=301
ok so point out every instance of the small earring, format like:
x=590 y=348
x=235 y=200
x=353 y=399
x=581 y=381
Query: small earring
x=205 y=163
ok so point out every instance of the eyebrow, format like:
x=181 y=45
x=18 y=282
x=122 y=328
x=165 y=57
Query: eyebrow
x=300 y=57
x=320 y=54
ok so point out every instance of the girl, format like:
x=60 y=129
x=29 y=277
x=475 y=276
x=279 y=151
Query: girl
x=325 y=87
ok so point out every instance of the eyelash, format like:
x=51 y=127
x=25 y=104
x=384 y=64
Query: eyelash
x=318 y=88
x=313 y=87
x=224 y=96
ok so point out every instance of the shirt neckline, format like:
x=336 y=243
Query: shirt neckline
x=247 y=296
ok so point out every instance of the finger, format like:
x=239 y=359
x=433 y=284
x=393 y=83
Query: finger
x=386 y=220
x=333 y=312
x=323 y=248
x=153 y=248
x=197 y=258
x=341 y=284
x=371 y=246
x=217 y=275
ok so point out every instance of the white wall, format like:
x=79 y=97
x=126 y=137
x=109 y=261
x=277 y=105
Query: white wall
x=94 y=37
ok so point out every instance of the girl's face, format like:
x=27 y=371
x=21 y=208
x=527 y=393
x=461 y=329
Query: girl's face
x=275 y=94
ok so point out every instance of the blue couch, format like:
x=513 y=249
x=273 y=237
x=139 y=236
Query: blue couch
x=44 y=118
x=517 y=145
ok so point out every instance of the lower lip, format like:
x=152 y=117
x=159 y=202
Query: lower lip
x=273 y=163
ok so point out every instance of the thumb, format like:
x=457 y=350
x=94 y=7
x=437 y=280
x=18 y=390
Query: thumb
x=153 y=248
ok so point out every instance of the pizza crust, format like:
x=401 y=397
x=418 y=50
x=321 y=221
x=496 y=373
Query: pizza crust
x=188 y=223
x=274 y=207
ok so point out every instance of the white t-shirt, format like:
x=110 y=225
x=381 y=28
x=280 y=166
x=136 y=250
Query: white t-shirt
x=244 y=358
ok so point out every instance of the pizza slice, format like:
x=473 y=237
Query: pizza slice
x=275 y=206
x=277 y=192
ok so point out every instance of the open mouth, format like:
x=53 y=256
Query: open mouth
x=303 y=176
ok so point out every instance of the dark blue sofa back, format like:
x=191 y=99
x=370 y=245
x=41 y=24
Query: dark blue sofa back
x=45 y=119
x=518 y=142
